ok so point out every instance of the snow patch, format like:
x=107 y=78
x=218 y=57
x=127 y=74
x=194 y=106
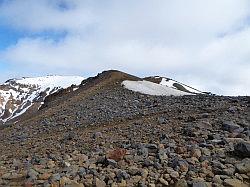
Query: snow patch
x=150 y=88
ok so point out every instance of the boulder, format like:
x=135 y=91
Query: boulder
x=232 y=127
x=242 y=149
x=243 y=166
x=234 y=183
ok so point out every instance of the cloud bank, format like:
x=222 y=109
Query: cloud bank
x=202 y=43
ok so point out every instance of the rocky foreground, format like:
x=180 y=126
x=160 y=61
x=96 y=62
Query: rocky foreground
x=116 y=137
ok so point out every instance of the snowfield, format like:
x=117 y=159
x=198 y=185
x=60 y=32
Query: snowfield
x=150 y=88
x=51 y=81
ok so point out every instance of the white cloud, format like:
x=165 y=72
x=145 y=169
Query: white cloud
x=45 y=15
x=200 y=42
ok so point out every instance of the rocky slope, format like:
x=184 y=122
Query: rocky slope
x=17 y=96
x=106 y=135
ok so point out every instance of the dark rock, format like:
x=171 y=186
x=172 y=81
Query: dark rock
x=122 y=175
x=112 y=162
x=242 y=149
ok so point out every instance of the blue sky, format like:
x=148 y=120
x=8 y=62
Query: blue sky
x=205 y=44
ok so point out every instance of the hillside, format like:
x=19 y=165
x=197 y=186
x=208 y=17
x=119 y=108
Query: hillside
x=109 y=133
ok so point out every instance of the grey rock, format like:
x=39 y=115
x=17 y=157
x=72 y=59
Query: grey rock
x=97 y=135
x=162 y=120
x=243 y=166
x=32 y=174
x=234 y=183
x=56 y=177
x=229 y=171
x=200 y=184
x=230 y=126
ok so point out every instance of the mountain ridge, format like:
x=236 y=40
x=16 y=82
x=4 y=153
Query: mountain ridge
x=43 y=96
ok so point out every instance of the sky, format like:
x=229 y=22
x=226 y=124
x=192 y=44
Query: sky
x=203 y=43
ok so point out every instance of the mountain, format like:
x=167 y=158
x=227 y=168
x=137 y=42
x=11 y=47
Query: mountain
x=117 y=129
x=18 y=96
x=26 y=95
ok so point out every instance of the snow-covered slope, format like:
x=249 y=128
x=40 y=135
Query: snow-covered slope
x=19 y=95
x=177 y=85
x=150 y=88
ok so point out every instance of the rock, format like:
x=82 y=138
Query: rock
x=99 y=183
x=69 y=136
x=133 y=170
x=242 y=149
x=32 y=174
x=181 y=150
x=75 y=184
x=56 y=177
x=232 y=109
x=174 y=174
x=162 y=154
x=122 y=175
x=111 y=162
x=181 y=183
x=200 y=184
x=234 y=183
x=206 y=152
x=117 y=154
x=50 y=164
x=97 y=135
x=230 y=126
x=163 y=181
x=152 y=148
x=161 y=120
x=65 y=164
x=143 y=151
x=82 y=171
x=11 y=176
x=44 y=176
x=157 y=165
x=28 y=184
x=243 y=166
x=196 y=153
x=217 y=179
x=144 y=173
x=123 y=183
x=229 y=171
x=180 y=165
x=205 y=115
